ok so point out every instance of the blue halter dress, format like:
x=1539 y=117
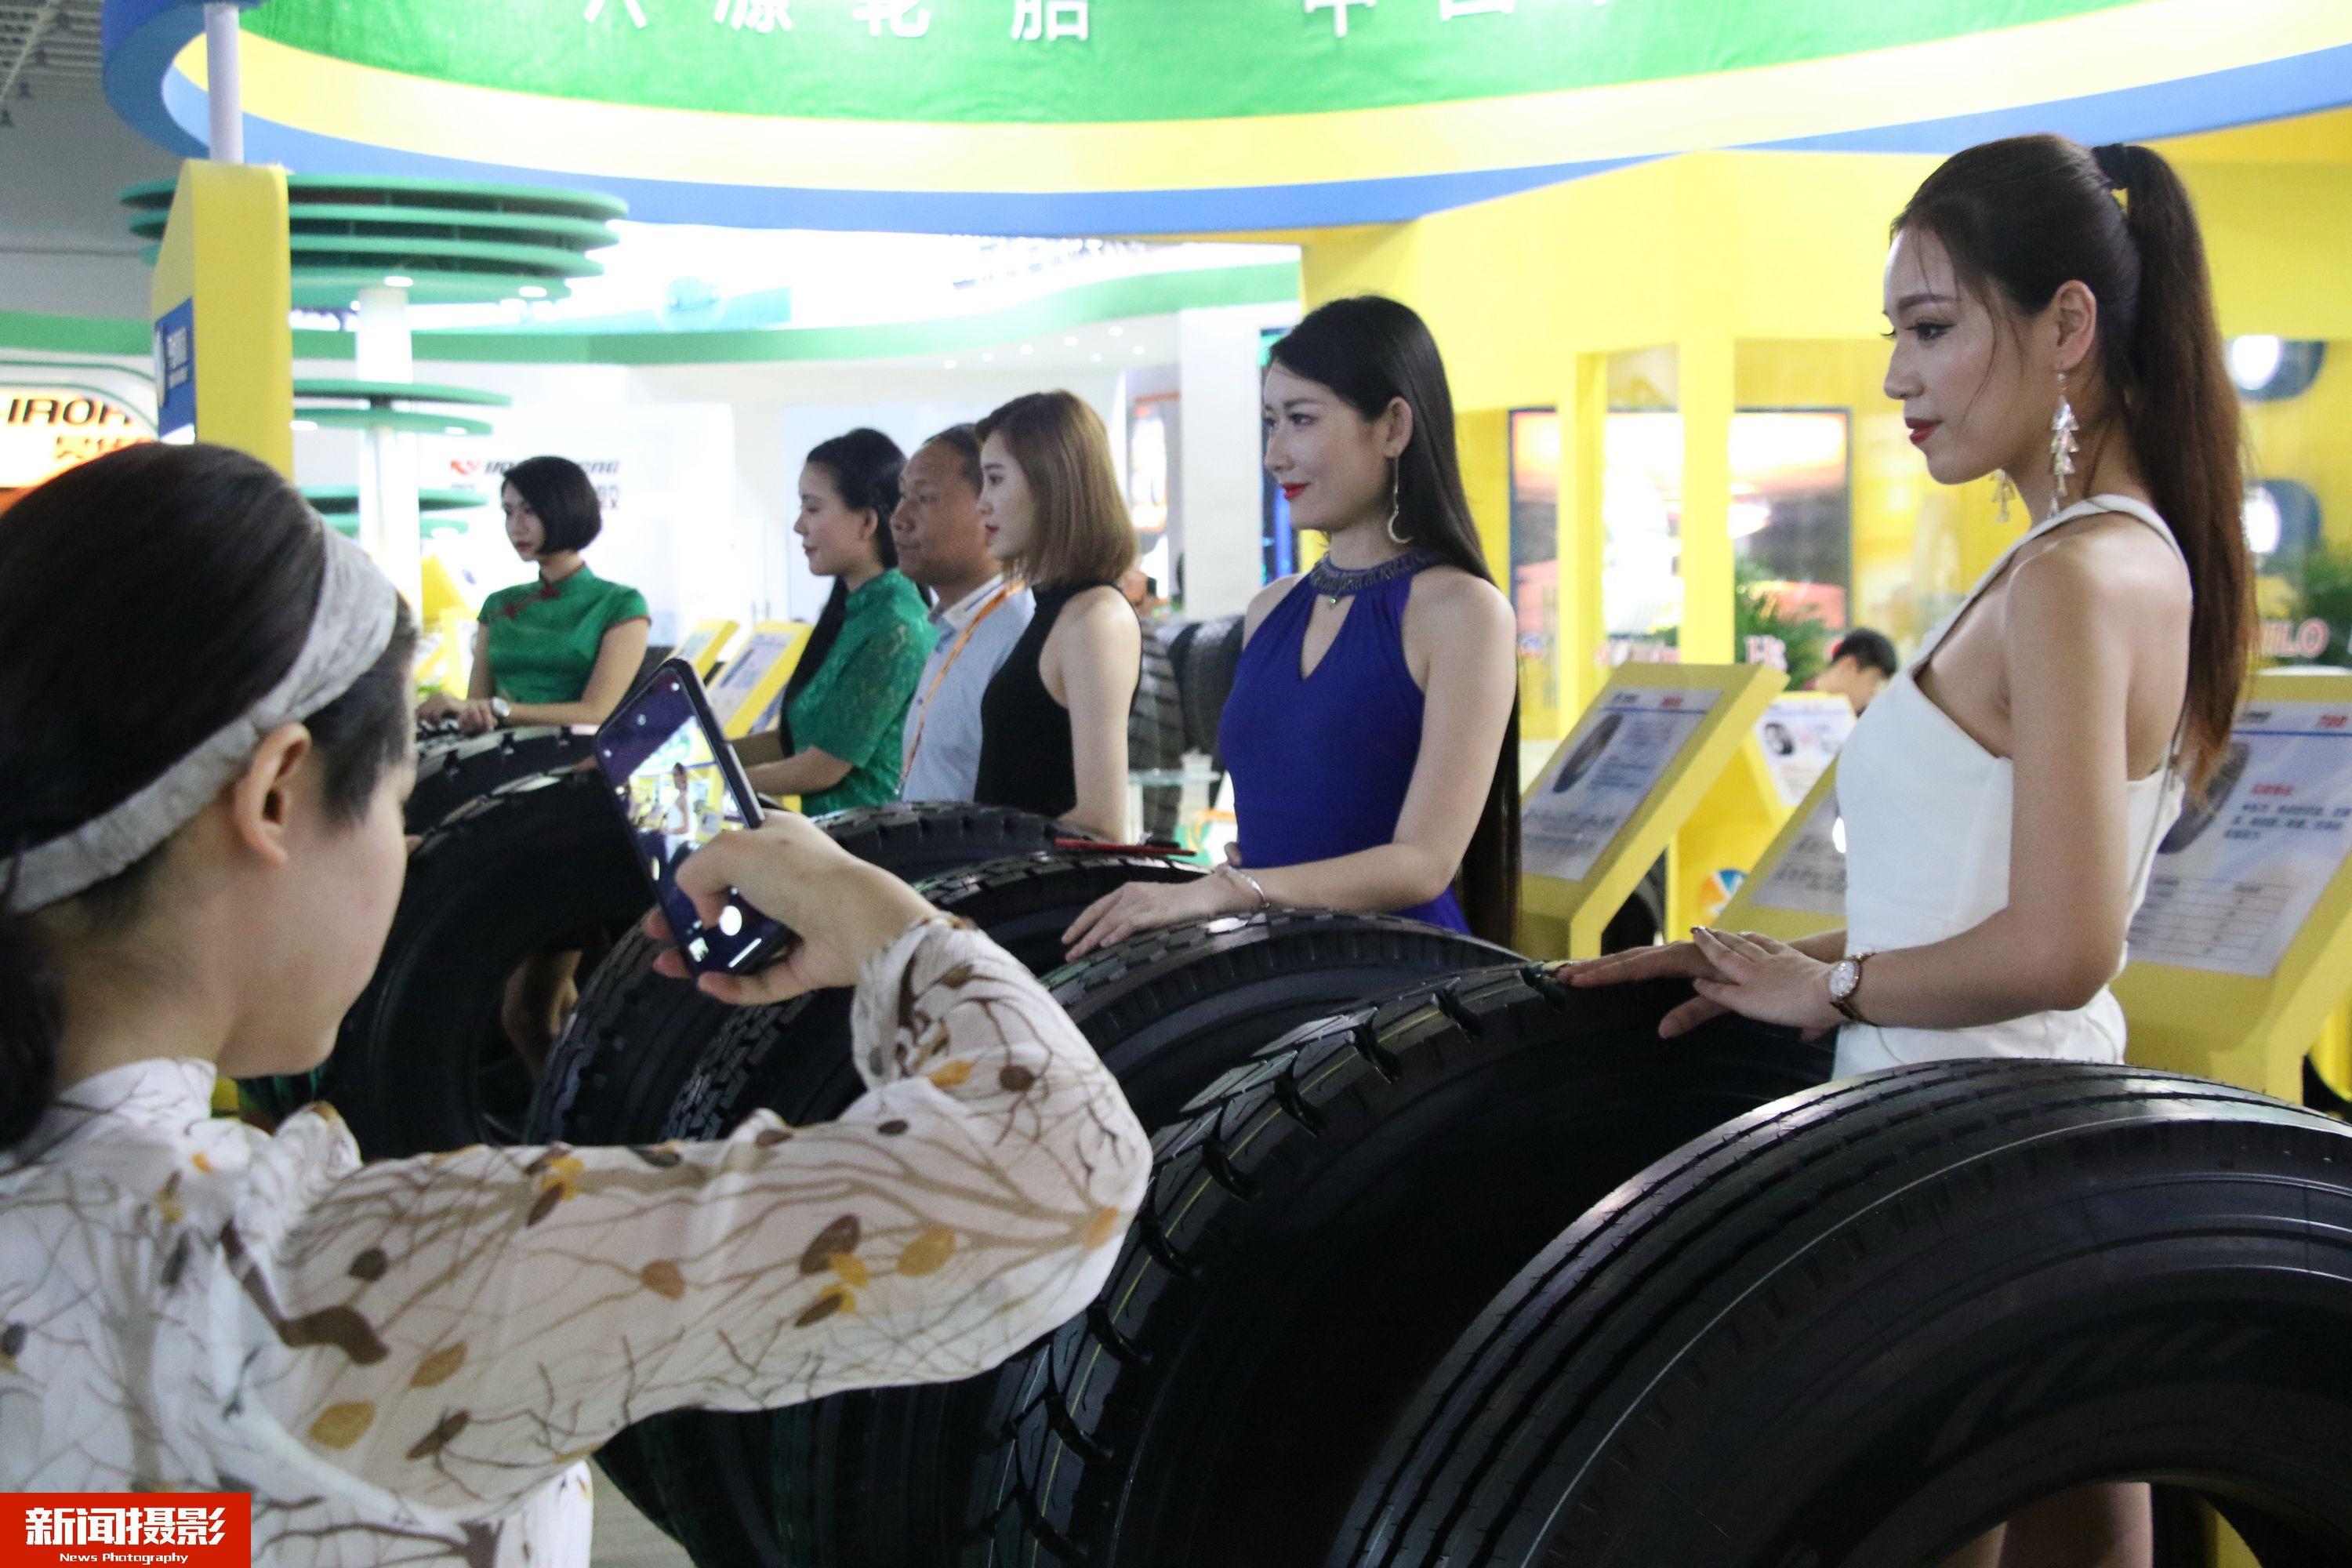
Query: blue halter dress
x=1320 y=763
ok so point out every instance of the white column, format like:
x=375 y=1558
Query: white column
x=390 y=526
x=1216 y=354
x=223 y=89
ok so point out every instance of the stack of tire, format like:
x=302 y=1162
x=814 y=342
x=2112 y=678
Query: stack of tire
x=1156 y=735
x=1469 y=1267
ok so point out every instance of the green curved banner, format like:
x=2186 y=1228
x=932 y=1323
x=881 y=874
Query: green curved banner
x=1082 y=62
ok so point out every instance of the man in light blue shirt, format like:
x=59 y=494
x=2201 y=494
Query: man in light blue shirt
x=979 y=615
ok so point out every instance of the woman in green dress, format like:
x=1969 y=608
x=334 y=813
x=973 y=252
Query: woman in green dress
x=566 y=648
x=562 y=650
x=846 y=701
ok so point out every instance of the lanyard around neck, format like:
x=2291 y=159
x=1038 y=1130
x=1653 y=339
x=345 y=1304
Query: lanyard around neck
x=923 y=712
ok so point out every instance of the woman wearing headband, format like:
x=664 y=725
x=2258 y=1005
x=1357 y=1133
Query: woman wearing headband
x=200 y=852
x=2004 y=796
x=566 y=648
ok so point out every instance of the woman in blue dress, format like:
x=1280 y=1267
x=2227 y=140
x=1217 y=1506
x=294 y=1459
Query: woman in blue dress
x=1372 y=729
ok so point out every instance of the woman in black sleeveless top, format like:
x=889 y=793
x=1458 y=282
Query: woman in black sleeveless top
x=1054 y=720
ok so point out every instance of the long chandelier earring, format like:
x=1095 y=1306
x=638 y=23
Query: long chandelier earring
x=2062 y=447
x=2002 y=490
x=1396 y=501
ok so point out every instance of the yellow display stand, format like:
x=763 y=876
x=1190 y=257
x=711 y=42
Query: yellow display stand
x=1627 y=780
x=748 y=685
x=223 y=286
x=445 y=661
x=2192 y=1013
x=1793 y=744
x=705 y=644
x=1798 y=887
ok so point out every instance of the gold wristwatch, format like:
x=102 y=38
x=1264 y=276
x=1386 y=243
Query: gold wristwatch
x=1845 y=979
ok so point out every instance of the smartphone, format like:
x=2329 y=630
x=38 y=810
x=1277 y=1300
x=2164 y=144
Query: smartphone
x=678 y=785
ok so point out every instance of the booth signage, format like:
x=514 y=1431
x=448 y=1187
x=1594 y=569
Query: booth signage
x=176 y=368
x=47 y=429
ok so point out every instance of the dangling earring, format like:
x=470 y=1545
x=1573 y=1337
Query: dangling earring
x=2002 y=490
x=2062 y=447
x=1396 y=501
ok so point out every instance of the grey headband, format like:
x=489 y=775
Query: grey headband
x=349 y=631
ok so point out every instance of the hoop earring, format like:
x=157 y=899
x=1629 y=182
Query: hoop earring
x=1396 y=501
x=2062 y=448
x=2002 y=491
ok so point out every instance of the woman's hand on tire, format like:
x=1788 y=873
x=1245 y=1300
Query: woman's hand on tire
x=1146 y=906
x=1743 y=972
x=436 y=707
x=477 y=717
x=843 y=910
x=1669 y=960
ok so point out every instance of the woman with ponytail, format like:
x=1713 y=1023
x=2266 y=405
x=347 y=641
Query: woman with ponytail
x=1373 y=732
x=204 y=748
x=848 y=699
x=2004 y=796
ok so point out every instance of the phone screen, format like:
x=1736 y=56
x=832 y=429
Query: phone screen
x=679 y=788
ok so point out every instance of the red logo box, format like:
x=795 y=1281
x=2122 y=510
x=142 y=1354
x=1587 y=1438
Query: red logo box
x=126 y=1530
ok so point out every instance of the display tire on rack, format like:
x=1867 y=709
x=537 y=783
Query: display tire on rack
x=421 y=1063
x=1156 y=735
x=883 y=1475
x=715 y=1473
x=1863 y=1326
x=452 y=771
x=1206 y=655
x=635 y=1035
x=1321 y=1224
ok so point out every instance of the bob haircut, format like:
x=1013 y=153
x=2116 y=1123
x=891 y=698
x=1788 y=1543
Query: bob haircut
x=560 y=491
x=1083 y=534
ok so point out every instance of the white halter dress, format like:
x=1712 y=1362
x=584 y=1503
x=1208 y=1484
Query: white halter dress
x=1927 y=817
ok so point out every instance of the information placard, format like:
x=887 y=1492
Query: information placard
x=1631 y=785
x=1809 y=874
x=747 y=686
x=2237 y=876
x=705 y=645
x=1596 y=782
x=1801 y=734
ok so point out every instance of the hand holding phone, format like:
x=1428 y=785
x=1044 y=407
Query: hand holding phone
x=679 y=788
x=845 y=910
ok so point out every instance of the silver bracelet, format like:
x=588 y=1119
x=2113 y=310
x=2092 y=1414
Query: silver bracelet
x=1230 y=869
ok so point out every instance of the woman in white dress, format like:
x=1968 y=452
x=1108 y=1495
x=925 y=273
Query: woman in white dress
x=408 y=1361
x=2003 y=798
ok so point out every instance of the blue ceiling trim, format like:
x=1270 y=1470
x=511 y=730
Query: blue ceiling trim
x=2275 y=90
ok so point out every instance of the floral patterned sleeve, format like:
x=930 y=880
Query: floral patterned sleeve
x=459 y=1328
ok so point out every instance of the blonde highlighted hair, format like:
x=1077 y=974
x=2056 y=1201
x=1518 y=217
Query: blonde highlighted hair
x=1083 y=532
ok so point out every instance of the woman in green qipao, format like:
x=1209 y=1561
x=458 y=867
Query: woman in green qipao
x=566 y=648
x=562 y=650
x=846 y=701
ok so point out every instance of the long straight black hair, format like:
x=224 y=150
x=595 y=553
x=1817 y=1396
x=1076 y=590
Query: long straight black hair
x=866 y=465
x=1371 y=351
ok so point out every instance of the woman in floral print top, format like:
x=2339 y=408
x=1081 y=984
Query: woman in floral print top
x=409 y=1360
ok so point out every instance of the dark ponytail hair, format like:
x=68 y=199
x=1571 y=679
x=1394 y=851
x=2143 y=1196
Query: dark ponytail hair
x=866 y=465
x=147 y=598
x=2033 y=213
x=1371 y=351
